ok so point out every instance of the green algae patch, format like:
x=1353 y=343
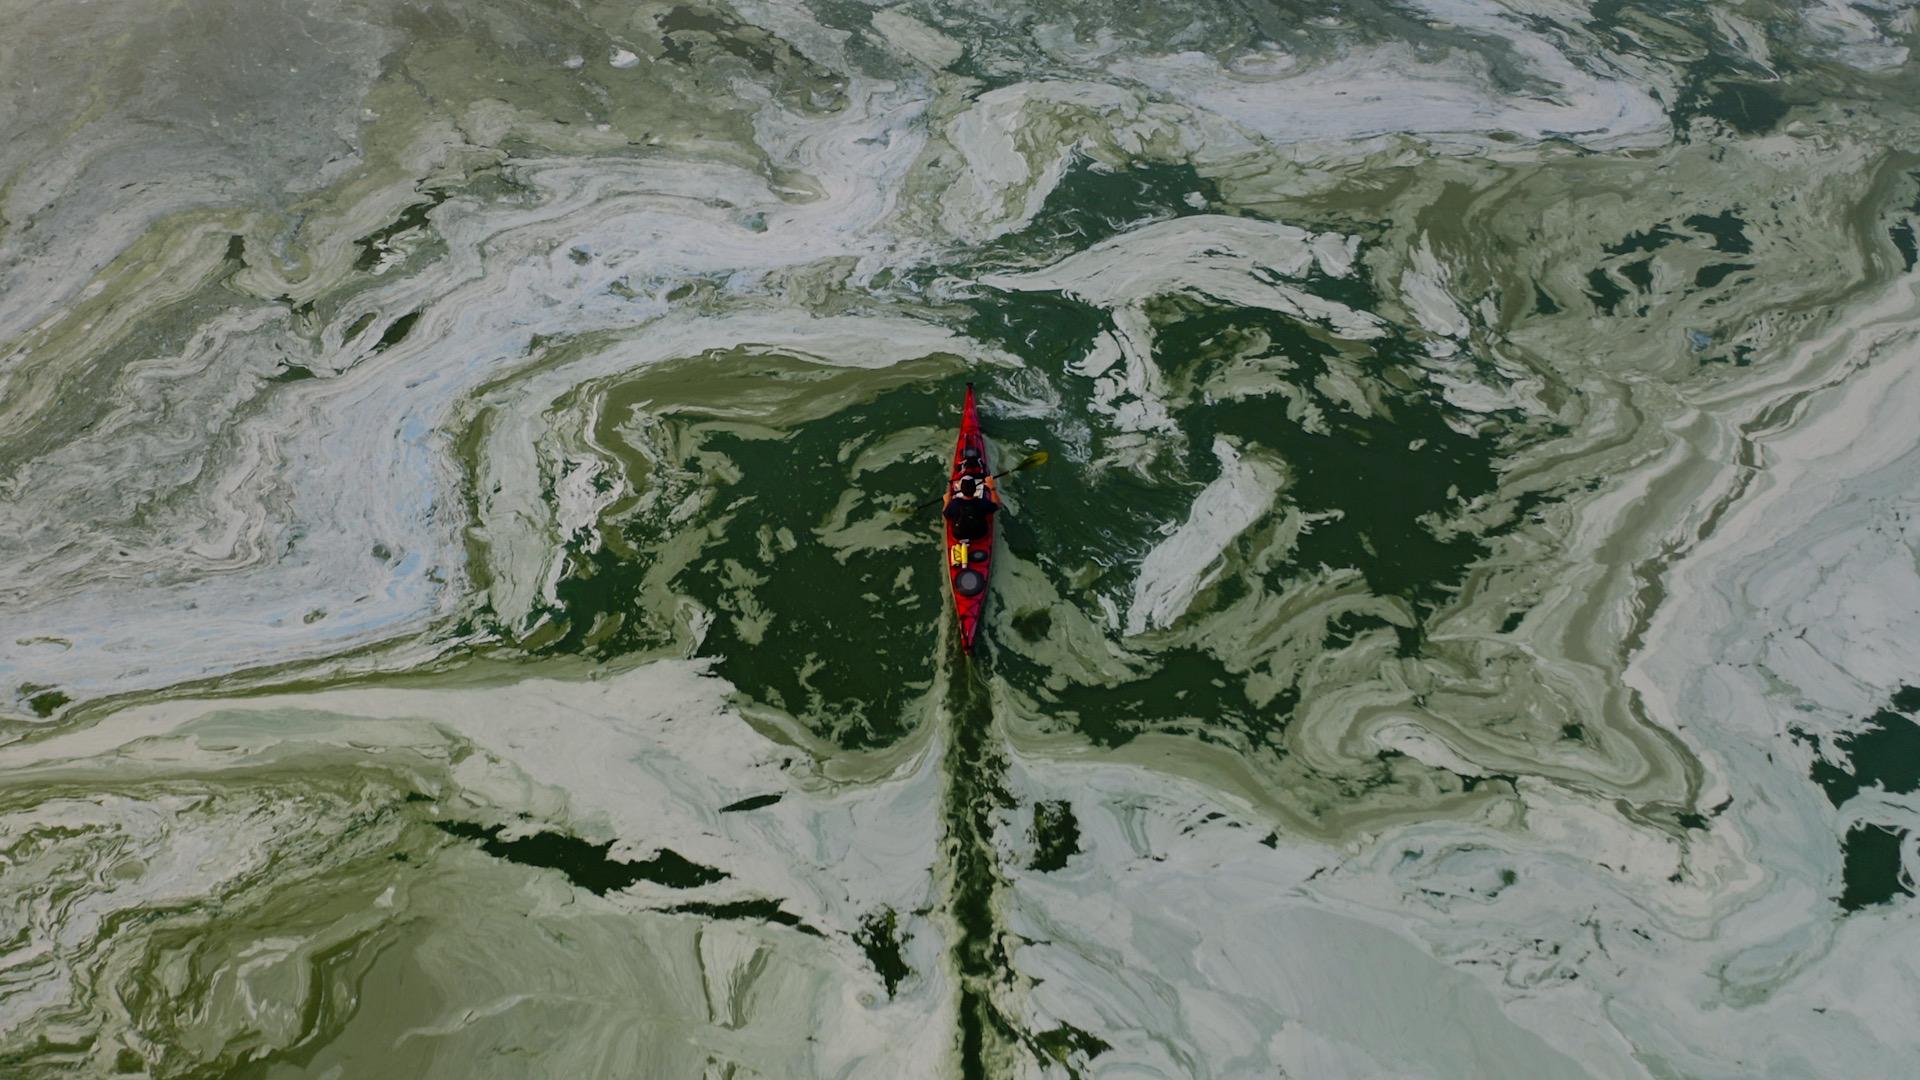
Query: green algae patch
x=585 y=864
x=881 y=938
x=44 y=701
x=755 y=910
x=1055 y=835
x=1883 y=754
x=1065 y=1043
x=1872 y=873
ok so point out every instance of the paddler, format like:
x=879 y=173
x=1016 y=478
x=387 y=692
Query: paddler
x=971 y=508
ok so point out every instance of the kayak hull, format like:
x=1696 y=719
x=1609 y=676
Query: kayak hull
x=967 y=581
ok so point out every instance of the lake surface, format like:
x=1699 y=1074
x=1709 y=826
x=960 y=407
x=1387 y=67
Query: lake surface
x=462 y=612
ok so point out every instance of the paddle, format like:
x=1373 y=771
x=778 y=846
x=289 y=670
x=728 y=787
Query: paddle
x=1038 y=457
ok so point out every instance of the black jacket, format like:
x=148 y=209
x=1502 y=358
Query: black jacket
x=970 y=517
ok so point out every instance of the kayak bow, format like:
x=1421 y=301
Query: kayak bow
x=969 y=567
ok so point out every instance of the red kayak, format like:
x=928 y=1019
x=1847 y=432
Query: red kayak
x=969 y=563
